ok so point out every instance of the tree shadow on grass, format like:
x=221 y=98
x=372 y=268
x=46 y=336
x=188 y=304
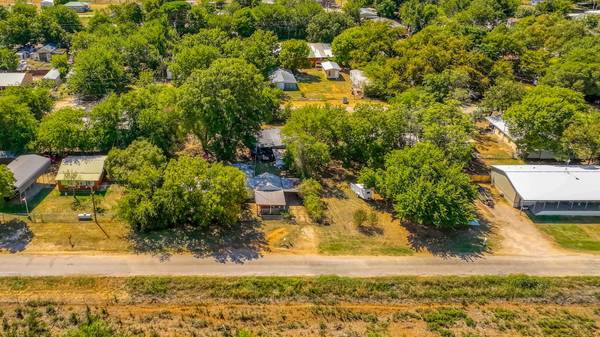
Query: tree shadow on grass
x=308 y=78
x=15 y=235
x=467 y=244
x=241 y=242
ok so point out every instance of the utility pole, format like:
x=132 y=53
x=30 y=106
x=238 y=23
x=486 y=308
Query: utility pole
x=95 y=215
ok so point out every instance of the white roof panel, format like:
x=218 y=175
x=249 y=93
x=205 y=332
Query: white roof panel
x=329 y=65
x=554 y=182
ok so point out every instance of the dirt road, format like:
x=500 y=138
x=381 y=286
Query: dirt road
x=271 y=265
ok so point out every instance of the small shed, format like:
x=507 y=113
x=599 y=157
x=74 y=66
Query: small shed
x=283 y=79
x=319 y=52
x=15 y=79
x=78 y=6
x=53 y=75
x=331 y=69
x=26 y=170
x=81 y=172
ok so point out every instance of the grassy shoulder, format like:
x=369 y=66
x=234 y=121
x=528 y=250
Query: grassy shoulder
x=579 y=237
x=310 y=306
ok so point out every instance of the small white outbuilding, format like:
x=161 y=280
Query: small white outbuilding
x=331 y=69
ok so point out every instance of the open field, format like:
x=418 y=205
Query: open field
x=324 y=306
x=315 y=88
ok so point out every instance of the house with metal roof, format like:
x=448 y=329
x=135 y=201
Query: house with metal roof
x=550 y=189
x=283 y=79
x=319 y=52
x=14 y=79
x=81 y=172
x=26 y=170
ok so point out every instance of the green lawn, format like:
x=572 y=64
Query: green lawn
x=581 y=237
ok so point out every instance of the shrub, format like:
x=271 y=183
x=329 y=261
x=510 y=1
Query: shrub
x=315 y=207
x=359 y=217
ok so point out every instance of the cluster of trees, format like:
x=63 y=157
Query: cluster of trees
x=316 y=135
x=555 y=119
x=453 y=56
x=23 y=24
x=413 y=152
x=124 y=42
x=183 y=191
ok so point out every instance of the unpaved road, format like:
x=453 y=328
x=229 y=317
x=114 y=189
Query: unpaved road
x=274 y=265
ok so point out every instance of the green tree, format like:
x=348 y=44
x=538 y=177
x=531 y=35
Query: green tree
x=61 y=62
x=17 y=124
x=537 y=122
x=294 y=54
x=63 y=131
x=226 y=104
x=324 y=27
x=358 y=46
x=140 y=165
x=38 y=99
x=306 y=155
x=8 y=59
x=97 y=71
x=417 y=14
x=578 y=69
x=6 y=183
x=19 y=27
x=582 y=137
x=425 y=187
x=188 y=59
x=499 y=97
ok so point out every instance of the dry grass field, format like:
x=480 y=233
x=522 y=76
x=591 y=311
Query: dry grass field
x=325 y=306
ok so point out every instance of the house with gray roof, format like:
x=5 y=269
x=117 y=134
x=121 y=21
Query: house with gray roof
x=26 y=170
x=283 y=79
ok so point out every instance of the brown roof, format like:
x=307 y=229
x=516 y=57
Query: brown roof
x=269 y=198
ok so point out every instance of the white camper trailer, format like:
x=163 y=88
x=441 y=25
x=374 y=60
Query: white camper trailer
x=362 y=191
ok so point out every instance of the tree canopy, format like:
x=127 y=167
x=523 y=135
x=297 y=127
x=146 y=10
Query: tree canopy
x=225 y=104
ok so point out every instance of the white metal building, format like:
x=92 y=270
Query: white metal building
x=550 y=189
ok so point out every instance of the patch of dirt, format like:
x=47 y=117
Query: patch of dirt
x=518 y=234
